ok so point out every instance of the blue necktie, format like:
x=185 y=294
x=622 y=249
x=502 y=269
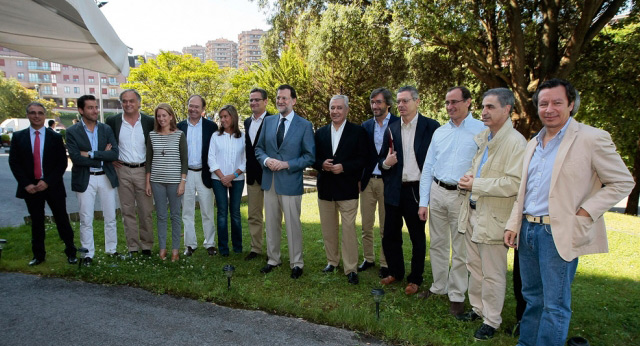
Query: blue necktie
x=280 y=133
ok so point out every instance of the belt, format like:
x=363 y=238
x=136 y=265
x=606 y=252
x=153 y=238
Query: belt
x=445 y=185
x=134 y=165
x=545 y=220
x=97 y=173
x=195 y=169
x=411 y=183
x=376 y=176
x=472 y=204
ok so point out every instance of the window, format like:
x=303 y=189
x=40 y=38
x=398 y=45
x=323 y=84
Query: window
x=67 y=90
x=54 y=90
x=46 y=78
x=33 y=77
x=76 y=90
x=65 y=67
x=113 y=92
x=91 y=80
x=65 y=77
x=103 y=80
x=20 y=75
x=112 y=80
x=45 y=90
x=104 y=91
x=1 y=62
x=92 y=91
x=54 y=78
x=33 y=65
x=19 y=63
x=76 y=78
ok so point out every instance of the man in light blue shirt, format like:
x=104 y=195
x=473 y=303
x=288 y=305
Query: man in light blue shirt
x=449 y=157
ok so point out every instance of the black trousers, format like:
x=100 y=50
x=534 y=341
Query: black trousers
x=392 y=240
x=58 y=205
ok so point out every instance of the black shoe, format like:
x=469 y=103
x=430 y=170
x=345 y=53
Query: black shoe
x=225 y=255
x=115 y=254
x=251 y=256
x=72 y=260
x=514 y=331
x=577 y=341
x=485 y=332
x=296 y=272
x=268 y=268
x=35 y=262
x=189 y=251
x=212 y=250
x=383 y=273
x=132 y=254
x=352 y=278
x=329 y=269
x=468 y=317
x=87 y=261
x=146 y=252
x=366 y=265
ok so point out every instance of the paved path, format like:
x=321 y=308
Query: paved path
x=50 y=311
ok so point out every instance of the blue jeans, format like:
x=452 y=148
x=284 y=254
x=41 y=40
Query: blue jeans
x=228 y=201
x=546 y=287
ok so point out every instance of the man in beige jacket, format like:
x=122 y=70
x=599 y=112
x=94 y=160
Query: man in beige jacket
x=493 y=182
x=571 y=176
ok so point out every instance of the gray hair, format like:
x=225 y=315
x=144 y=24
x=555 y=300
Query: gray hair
x=35 y=104
x=340 y=97
x=133 y=91
x=411 y=89
x=504 y=95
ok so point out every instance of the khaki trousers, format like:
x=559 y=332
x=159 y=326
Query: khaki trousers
x=372 y=198
x=329 y=221
x=446 y=242
x=255 y=205
x=133 y=197
x=488 y=281
x=274 y=206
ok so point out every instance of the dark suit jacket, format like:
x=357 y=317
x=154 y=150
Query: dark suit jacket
x=372 y=153
x=351 y=153
x=393 y=177
x=115 y=121
x=254 y=168
x=208 y=128
x=54 y=162
x=77 y=141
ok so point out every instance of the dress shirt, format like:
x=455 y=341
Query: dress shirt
x=378 y=138
x=410 y=168
x=194 y=144
x=227 y=153
x=335 y=136
x=450 y=153
x=287 y=123
x=485 y=156
x=131 y=143
x=536 y=198
x=93 y=139
x=41 y=133
x=255 y=125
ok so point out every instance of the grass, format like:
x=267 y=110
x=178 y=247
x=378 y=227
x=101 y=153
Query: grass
x=605 y=291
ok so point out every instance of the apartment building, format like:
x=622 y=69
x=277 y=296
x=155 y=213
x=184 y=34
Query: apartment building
x=196 y=51
x=249 y=52
x=222 y=51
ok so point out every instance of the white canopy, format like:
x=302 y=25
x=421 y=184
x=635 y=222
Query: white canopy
x=70 y=32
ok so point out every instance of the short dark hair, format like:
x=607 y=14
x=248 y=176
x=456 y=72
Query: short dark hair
x=504 y=95
x=35 y=104
x=262 y=92
x=204 y=103
x=466 y=94
x=51 y=122
x=411 y=89
x=388 y=98
x=290 y=88
x=572 y=93
x=83 y=98
x=130 y=90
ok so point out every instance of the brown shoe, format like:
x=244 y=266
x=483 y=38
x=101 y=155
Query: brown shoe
x=175 y=255
x=411 y=289
x=163 y=254
x=388 y=280
x=212 y=251
x=425 y=294
x=456 y=308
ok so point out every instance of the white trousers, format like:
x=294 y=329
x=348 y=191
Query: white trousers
x=194 y=188
x=98 y=184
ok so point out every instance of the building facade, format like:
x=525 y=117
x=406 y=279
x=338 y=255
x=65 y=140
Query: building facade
x=223 y=51
x=249 y=51
x=197 y=51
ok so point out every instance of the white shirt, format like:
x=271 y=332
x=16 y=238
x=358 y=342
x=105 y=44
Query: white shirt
x=227 y=153
x=410 y=168
x=194 y=144
x=131 y=143
x=255 y=125
x=336 y=135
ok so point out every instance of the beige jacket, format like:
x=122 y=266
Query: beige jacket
x=588 y=173
x=496 y=188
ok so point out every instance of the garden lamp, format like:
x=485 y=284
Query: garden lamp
x=3 y=242
x=228 y=272
x=82 y=253
x=377 y=294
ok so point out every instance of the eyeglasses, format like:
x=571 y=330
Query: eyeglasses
x=255 y=100
x=404 y=101
x=452 y=102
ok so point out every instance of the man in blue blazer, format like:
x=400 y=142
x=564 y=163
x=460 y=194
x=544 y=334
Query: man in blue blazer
x=39 y=174
x=371 y=184
x=92 y=149
x=198 y=131
x=285 y=148
x=402 y=156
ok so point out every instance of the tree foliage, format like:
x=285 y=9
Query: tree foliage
x=14 y=98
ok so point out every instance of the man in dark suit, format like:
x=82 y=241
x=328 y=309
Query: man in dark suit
x=131 y=129
x=341 y=149
x=402 y=157
x=285 y=149
x=92 y=149
x=371 y=184
x=38 y=160
x=198 y=131
x=253 y=127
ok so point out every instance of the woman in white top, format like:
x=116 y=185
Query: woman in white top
x=227 y=162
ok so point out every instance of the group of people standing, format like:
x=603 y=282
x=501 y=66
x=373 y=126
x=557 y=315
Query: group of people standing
x=482 y=188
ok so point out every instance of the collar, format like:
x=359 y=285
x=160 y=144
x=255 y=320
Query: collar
x=260 y=117
x=560 y=134
x=196 y=125
x=412 y=123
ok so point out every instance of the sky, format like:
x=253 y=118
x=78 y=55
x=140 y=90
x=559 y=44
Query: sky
x=154 y=25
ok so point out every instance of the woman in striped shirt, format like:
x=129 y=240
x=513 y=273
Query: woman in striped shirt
x=167 y=163
x=227 y=162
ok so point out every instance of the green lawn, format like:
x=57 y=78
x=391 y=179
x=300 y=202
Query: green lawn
x=605 y=291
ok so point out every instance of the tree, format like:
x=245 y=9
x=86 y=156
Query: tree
x=608 y=78
x=14 y=98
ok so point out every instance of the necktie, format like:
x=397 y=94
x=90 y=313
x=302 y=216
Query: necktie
x=37 y=169
x=280 y=133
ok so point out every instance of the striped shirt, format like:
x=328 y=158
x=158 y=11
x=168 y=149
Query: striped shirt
x=167 y=157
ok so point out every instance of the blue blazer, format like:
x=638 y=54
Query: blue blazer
x=208 y=128
x=372 y=154
x=77 y=141
x=298 y=149
x=393 y=177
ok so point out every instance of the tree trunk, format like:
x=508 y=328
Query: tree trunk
x=632 y=202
